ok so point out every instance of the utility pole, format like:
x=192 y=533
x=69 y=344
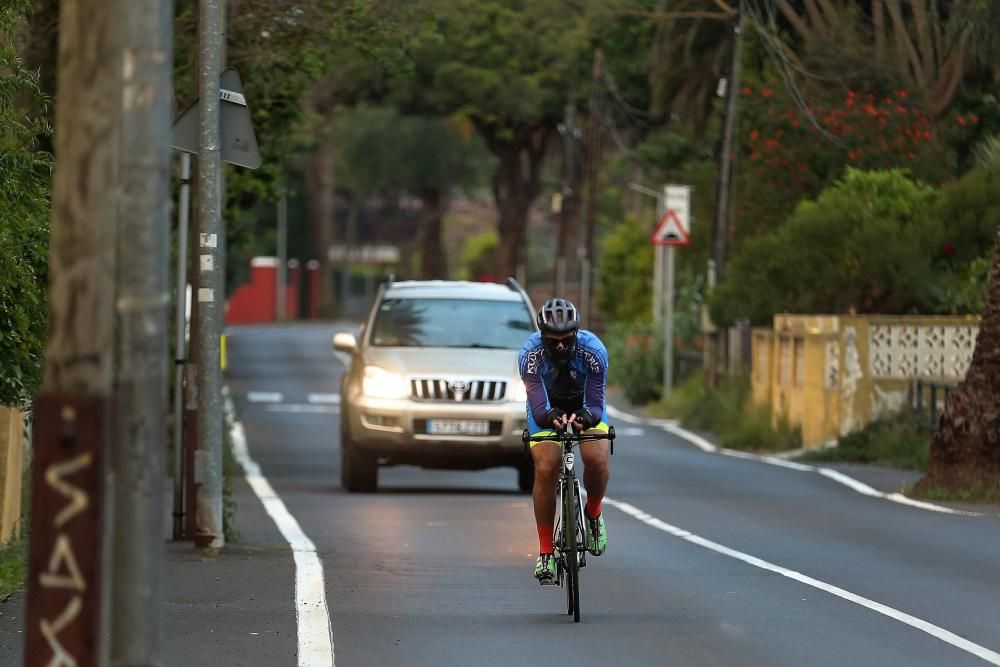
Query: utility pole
x=282 y=234
x=570 y=134
x=66 y=619
x=721 y=227
x=593 y=168
x=211 y=284
x=142 y=305
x=180 y=345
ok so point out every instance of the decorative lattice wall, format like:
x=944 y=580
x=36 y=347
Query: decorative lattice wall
x=913 y=350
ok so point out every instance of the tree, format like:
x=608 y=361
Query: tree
x=509 y=67
x=965 y=448
x=382 y=151
x=838 y=240
x=24 y=189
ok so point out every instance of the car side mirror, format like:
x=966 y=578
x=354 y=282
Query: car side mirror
x=345 y=342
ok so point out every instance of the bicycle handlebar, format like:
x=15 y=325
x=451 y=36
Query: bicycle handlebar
x=568 y=436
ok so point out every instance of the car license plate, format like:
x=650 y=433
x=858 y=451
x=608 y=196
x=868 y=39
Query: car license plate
x=457 y=427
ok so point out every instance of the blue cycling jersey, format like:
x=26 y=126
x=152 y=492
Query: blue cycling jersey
x=579 y=384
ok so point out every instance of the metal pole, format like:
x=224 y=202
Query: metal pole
x=208 y=460
x=668 y=343
x=142 y=304
x=661 y=208
x=180 y=347
x=282 y=255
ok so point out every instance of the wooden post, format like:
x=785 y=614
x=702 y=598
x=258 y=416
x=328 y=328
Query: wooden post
x=66 y=614
x=11 y=459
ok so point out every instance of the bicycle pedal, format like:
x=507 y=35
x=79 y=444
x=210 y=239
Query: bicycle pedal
x=548 y=582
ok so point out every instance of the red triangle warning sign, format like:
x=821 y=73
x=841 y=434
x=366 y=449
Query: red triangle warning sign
x=670 y=230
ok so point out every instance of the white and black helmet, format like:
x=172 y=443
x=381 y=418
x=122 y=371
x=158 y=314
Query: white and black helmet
x=558 y=316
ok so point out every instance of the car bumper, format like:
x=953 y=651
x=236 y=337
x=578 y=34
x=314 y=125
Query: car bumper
x=396 y=430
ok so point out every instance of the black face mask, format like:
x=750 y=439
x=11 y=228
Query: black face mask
x=560 y=351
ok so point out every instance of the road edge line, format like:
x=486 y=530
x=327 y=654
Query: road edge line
x=831 y=474
x=312 y=614
x=935 y=631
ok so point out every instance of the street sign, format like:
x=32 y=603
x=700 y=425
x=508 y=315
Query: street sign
x=670 y=231
x=239 y=142
x=674 y=227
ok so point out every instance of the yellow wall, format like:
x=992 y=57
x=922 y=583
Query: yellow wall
x=821 y=373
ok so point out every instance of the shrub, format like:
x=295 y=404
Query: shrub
x=729 y=413
x=900 y=440
x=636 y=360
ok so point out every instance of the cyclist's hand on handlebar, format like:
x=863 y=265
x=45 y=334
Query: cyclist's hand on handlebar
x=577 y=422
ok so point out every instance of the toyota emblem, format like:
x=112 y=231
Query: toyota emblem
x=459 y=387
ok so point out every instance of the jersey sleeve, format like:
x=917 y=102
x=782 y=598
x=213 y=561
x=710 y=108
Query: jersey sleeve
x=529 y=365
x=595 y=356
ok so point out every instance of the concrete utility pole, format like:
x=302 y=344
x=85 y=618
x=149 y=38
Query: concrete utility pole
x=211 y=286
x=66 y=620
x=593 y=170
x=142 y=305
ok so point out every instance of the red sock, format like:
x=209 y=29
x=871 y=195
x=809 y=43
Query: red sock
x=593 y=509
x=544 y=538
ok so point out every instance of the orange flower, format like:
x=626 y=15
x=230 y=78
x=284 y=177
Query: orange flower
x=961 y=120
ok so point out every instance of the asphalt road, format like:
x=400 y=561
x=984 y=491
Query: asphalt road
x=712 y=560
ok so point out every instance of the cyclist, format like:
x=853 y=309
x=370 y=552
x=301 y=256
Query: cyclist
x=564 y=369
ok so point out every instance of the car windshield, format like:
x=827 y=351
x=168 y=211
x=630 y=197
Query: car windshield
x=501 y=325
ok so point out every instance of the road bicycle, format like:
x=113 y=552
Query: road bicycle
x=569 y=544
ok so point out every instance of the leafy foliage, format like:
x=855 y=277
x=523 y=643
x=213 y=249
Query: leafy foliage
x=635 y=350
x=24 y=187
x=841 y=242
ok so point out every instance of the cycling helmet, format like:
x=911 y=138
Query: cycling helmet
x=558 y=316
x=559 y=322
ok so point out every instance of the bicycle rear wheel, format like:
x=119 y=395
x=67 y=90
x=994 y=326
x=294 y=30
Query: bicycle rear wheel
x=571 y=505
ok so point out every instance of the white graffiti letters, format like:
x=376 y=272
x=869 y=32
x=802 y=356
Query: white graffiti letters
x=63 y=567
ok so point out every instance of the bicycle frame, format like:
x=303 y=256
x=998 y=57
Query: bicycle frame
x=569 y=544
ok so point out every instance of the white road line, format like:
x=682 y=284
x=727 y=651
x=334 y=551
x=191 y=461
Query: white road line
x=331 y=399
x=947 y=636
x=265 y=397
x=315 y=636
x=836 y=476
x=303 y=407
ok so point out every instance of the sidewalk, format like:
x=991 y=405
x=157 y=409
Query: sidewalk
x=237 y=608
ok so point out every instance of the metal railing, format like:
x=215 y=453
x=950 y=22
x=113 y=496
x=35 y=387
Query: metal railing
x=929 y=397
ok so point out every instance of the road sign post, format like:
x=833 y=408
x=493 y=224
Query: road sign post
x=672 y=229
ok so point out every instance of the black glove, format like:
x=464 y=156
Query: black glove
x=586 y=419
x=552 y=415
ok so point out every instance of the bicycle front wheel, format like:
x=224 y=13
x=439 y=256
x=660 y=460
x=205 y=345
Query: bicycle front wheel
x=571 y=506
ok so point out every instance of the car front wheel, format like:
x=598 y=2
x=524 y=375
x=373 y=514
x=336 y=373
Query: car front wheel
x=358 y=468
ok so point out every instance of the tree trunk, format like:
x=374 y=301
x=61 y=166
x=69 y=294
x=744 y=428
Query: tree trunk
x=433 y=264
x=320 y=185
x=515 y=186
x=965 y=449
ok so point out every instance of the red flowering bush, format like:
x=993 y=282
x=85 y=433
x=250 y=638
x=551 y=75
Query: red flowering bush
x=787 y=155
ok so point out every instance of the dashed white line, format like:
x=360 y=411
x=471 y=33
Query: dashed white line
x=325 y=399
x=303 y=408
x=315 y=636
x=938 y=632
x=265 y=397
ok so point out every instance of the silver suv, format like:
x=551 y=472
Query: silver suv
x=433 y=381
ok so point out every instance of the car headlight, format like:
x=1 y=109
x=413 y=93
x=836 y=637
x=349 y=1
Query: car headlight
x=380 y=383
x=520 y=392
